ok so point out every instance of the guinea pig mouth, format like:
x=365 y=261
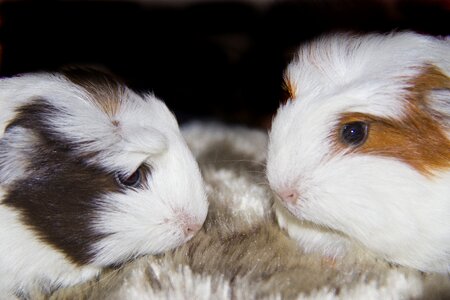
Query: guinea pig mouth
x=304 y=222
x=292 y=208
x=321 y=228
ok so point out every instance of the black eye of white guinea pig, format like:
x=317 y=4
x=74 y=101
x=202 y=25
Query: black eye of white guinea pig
x=133 y=180
x=354 y=133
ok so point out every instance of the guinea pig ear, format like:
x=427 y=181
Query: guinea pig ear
x=16 y=149
x=432 y=87
x=440 y=103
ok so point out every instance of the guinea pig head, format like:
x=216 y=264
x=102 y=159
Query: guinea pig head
x=98 y=172
x=362 y=145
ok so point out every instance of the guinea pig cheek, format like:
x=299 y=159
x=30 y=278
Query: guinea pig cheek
x=135 y=223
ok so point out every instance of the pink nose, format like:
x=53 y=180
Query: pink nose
x=191 y=229
x=289 y=196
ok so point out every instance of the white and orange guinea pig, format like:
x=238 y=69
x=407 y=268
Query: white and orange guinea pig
x=360 y=152
x=92 y=174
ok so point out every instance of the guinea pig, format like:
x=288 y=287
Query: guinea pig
x=92 y=174
x=360 y=152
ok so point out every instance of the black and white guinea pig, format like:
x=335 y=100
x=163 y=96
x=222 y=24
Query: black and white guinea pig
x=361 y=149
x=91 y=175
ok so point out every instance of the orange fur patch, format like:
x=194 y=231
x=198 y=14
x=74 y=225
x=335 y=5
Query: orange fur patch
x=417 y=139
x=288 y=90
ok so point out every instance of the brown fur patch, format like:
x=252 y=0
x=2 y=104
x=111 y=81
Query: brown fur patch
x=418 y=138
x=104 y=88
x=288 y=90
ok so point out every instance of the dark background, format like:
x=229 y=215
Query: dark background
x=206 y=60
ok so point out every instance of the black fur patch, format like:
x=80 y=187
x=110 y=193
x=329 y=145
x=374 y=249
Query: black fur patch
x=60 y=200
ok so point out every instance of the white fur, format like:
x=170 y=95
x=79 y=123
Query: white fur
x=183 y=283
x=14 y=150
x=142 y=221
x=380 y=202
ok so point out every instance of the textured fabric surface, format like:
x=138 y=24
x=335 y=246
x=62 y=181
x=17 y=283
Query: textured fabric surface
x=241 y=253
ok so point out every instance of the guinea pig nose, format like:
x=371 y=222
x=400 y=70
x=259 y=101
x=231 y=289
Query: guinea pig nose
x=289 y=196
x=188 y=224
x=191 y=228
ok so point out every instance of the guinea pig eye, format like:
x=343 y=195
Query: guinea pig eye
x=132 y=180
x=354 y=133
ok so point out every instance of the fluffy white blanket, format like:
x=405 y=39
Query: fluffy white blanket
x=241 y=253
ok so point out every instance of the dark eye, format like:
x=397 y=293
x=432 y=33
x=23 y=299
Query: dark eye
x=131 y=180
x=354 y=134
